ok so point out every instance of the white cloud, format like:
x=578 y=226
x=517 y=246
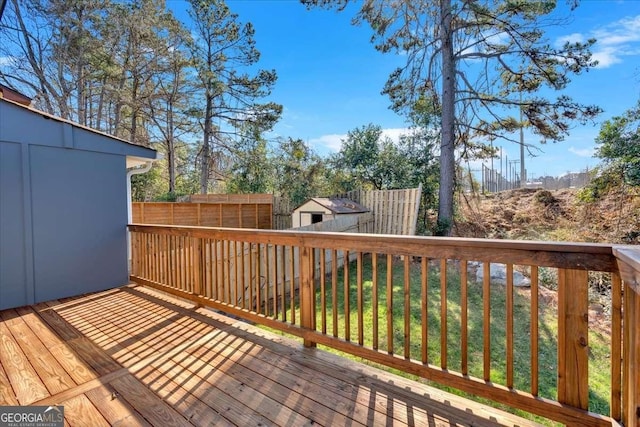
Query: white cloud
x=571 y=38
x=614 y=41
x=394 y=133
x=624 y=31
x=333 y=142
x=606 y=57
x=582 y=152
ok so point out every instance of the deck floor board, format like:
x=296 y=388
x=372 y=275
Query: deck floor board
x=135 y=356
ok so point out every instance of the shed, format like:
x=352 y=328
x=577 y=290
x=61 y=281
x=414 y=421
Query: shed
x=320 y=209
x=63 y=206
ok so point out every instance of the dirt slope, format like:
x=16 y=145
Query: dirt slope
x=552 y=215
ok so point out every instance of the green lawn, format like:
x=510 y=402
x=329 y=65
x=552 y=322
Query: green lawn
x=547 y=343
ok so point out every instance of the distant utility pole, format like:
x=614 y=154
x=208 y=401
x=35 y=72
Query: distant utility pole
x=523 y=172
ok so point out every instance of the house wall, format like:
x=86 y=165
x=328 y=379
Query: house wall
x=63 y=209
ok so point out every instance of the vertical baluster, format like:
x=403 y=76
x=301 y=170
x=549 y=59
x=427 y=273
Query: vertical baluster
x=217 y=256
x=359 y=298
x=145 y=258
x=390 y=332
x=347 y=308
x=443 y=313
x=534 y=330
x=374 y=298
x=252 y=272
x=184 y=264
x=188 y=253
x=267 y=288
x=242 y=280
x=407 y=307
x=230 y=272
x=334 y=290
x=237 y=302
x=616 y=353
x=283 y=280
x=323 y=292
x=153 y=258
x=274 y=280
x=464 y=328
x=258 y=278
x=509 y=331
x=424 y=284
x=163 y=253
x=198 y=266
x=169 y=261
x=486 y=320
x=292 y=288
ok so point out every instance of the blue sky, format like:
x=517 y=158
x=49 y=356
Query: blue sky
x=330 y=76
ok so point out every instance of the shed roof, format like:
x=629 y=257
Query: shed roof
x=40 y=128
x=340 y=206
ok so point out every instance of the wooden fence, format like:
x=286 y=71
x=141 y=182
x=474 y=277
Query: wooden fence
x=380 y=306
x=227 y=214
x=282 y=209
x=394 y=211
x=231 y=198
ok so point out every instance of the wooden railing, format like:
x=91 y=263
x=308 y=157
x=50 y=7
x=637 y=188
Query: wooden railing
x=629 y=265
x=416 y=304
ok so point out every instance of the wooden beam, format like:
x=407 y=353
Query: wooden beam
x=573 y=338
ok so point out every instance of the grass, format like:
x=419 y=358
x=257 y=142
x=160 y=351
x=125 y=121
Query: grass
x=599 y=380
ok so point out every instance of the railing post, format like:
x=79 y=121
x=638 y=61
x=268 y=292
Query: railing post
x=631 y=363
x=307 y=294
x=629 y=266
x=573 y=337
x=197 y=265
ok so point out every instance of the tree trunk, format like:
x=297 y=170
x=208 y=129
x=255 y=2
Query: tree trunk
x=206 y=150
x=447 y=143
x=171 y=149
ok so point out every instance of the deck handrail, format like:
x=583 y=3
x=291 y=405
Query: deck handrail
x=293 y=281
x=628 y=259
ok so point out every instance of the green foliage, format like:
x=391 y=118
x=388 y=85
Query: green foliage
x=253 y=170
x=300 y=173
x=147 y=186
x=605 y=180
x=619 y=146
x=371 y=161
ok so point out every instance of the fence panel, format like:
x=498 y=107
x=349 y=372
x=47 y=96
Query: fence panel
x=234 y=215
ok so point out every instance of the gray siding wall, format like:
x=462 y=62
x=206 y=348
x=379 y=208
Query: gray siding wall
x=63 y=208
x=79 y=221
x=13 y=254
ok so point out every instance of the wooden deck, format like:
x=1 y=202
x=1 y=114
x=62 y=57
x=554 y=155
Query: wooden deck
x=134 y=356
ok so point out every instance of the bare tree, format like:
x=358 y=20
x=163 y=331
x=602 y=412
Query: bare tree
x=222 y=51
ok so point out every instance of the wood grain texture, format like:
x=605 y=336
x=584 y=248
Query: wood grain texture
x=79 y=411
x=573 y=338
x=150 y=406
x=24 y=379
x=194 y=366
